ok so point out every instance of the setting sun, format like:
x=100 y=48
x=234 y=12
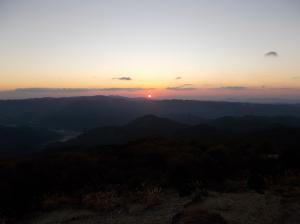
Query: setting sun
x=149 y=96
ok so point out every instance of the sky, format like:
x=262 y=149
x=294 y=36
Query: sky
x=194 y=49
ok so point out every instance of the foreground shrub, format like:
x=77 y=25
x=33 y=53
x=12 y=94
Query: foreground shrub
x=102 y=201
x=55 y=201
x=151 y=196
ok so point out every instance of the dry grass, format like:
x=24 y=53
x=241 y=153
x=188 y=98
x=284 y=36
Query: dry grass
x=54 y=201
x=196 y=214
x=245 y=208
x=150 y=195
x=102 y=201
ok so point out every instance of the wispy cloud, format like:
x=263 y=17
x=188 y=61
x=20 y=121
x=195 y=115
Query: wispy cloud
x=296 y=77
x=124 y=89
x=273 y=54
x=37 y=90
x=59 y=92
x=178 y=77
x=123 y=78
x=184 y=87
x=233 y=88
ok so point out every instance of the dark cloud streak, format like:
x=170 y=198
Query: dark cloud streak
x=123 y=78
x=273 y=54
x=238 y=88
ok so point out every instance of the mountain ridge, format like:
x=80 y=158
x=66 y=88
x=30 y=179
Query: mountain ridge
x=151 y=127
x=83 y=113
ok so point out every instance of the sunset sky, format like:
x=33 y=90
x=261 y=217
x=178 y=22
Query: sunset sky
x=167 y=48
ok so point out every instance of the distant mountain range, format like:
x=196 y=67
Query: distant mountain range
x=148 y=126
x=83 y=113
x=210 y=131
x=17 y=140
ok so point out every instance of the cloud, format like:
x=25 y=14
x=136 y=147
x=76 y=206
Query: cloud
x=39 y=90
x=296 y=77
x=273 y=54
x=124 y=89
x=123 y=78
x=178 y=77
x=62 y=92
x=184 y=87
x=233 y=87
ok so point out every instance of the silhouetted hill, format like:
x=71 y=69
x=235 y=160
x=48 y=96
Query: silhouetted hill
x=202 y=133
x=148 y=126
x=208 y=132
x=153 y=125
x=21 y=140
x=253 y=123
x=83 y=113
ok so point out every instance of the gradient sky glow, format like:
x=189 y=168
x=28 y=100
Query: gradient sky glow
x=213 y=45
